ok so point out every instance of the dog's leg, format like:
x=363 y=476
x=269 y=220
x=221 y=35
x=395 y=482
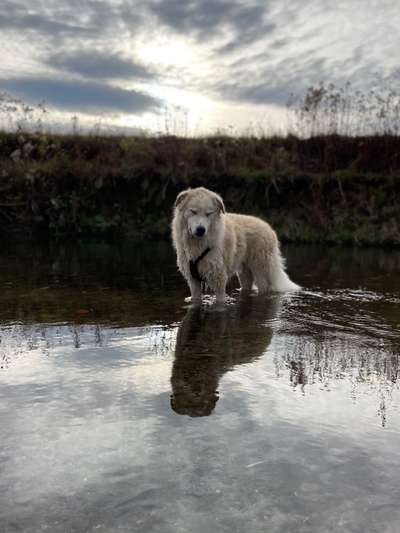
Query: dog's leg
x=246 y=279
x=219 y=287
x=220 y=296
x=262 y=283
x=195 y=290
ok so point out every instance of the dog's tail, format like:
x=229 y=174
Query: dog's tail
x=279 y=280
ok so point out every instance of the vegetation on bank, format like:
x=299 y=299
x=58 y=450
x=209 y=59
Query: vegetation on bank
x=325 y=187
x=322 y=189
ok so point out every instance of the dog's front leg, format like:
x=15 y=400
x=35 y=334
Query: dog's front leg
x=220 y=289
x=220 y=296
x=195 y=290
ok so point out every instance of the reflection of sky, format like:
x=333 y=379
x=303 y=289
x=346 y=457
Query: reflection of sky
x=88 y=439
x=227 y=63
x=354 y=368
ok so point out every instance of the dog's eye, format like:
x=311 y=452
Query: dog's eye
x=193 y=211
x=209 y=214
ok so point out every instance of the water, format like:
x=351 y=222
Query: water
x=124 y=409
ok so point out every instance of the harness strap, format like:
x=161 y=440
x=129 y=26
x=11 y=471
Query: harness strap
x=193 y=266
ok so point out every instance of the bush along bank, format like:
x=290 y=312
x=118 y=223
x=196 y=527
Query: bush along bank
x=324 y=189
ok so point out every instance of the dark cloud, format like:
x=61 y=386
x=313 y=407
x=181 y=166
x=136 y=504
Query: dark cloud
x=89 y=20
x=241 y=39
x=39 y=24
x=265 y=86
x=19 y=17
x=85 y=97
x=96 y=64
x=208 y=16
x=191 y=15
x=263 y=93
x=199 y=18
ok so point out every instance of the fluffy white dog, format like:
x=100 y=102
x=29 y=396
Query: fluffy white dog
x=212 y=246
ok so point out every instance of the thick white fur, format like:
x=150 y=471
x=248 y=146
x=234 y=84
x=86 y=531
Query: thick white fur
x=239 y=244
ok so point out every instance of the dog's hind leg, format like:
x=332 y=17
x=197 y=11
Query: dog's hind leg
x=262 y=282
x=245 y=279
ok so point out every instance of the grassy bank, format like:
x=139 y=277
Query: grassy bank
x=327 y=188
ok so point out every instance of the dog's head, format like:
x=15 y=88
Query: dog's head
x=199 y=208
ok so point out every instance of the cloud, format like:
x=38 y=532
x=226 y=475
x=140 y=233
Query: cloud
x=265 y=85
x=208 y=17
x=38 y=23
x=257 y=94
x=239 y=40
x=96 y=64
x=19 y=17
x=85 y=97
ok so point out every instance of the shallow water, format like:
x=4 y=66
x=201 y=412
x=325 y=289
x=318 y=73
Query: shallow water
x=122 y=408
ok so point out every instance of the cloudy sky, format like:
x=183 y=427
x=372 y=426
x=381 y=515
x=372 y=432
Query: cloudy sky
x=201 y=64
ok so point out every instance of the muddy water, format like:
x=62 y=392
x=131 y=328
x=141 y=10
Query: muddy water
x=124 y=409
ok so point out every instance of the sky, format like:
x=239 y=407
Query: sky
x=190 y=66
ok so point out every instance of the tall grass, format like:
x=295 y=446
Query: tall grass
x=18 y=116
x=324 y=109
x=331 y=110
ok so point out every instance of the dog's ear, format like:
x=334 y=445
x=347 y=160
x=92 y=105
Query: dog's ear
x=220 y=203
x=181 y=196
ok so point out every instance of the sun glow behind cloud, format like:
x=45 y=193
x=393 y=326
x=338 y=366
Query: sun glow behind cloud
x=167 y=51
x=180 y=60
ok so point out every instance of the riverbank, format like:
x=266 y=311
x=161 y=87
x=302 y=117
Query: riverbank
x=327 y=189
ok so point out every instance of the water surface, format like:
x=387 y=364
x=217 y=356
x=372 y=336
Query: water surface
x=122 y=408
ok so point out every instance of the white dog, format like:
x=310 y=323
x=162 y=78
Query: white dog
x=212 y=246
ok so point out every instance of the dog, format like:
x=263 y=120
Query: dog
x=212 y=246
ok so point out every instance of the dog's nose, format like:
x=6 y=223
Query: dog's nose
x=200 y=230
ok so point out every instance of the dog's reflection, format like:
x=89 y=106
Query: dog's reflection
x=210 y=342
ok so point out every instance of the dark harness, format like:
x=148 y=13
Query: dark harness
x=193 y=266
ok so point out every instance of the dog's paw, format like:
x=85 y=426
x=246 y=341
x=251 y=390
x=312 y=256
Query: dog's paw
x=223 y=301
x=193 y=301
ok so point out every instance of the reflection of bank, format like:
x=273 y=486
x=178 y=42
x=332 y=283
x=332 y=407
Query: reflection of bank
x=210 y=342
x=323 y=361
